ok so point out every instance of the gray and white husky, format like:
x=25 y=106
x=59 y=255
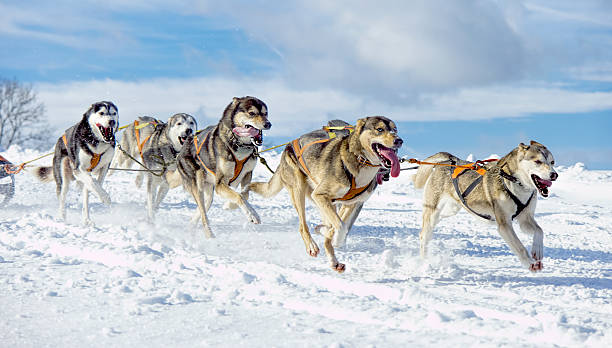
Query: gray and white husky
x=156 y=144
x=85 y=150
x=507 y=190
x=223 y=156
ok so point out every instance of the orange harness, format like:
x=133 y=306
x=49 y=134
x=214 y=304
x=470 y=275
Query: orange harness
x=237 y=168
x=298 y=150
x=137 y=133
x=95 y=157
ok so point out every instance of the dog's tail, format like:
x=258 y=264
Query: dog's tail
x=422 y=175
x=44 y=174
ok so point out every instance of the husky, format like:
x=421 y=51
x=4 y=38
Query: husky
x=86 y=149
x=223 y=156
x=334 y=170
x=501 y=192
x=156 y=144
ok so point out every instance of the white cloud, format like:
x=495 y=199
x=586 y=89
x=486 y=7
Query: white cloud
x=293 y=111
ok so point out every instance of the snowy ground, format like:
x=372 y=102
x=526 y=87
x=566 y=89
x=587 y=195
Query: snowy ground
x=127 y=283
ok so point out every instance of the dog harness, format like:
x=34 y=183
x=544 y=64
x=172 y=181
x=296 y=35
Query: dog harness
x=237 y=168
x=95 y=157
x=137 y=127
x=458 y=171
x=298 y=150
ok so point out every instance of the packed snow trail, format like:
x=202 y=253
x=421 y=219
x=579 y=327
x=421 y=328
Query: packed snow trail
x=125 y=282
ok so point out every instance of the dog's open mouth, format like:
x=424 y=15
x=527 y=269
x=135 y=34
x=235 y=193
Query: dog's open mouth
x=182 y=139
x=541 y=184
x=255 y=134
x=388 y=157
x=107 y=133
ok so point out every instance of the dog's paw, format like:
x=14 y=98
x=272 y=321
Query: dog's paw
x=338 y=267
x=537 y=253
x=87 y=222
x=536 y=266
x=320 y=229
x=313 y=249
x=105 y=198
x=252 y=215
x=230 y=206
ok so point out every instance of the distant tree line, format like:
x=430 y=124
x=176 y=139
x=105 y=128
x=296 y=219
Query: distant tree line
x=22 y=116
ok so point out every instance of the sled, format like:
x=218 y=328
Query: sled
x=7 y=182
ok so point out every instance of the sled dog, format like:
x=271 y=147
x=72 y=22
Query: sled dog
x=156 y=144
x=84 y=150
x=334 y=170
x=223 y=156
x=504 y=191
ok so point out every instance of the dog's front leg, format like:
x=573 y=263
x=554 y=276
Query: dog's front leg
x=329 y=214
x=348 y=215
x=530 y=226
x=92 y=185
x=151 y=190
x=234 y=197
x=85 y=220
x=246 y=180
x=507 y=232
x=196 y=187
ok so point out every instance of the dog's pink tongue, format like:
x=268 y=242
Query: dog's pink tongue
x=245 y=132
x=546 y=183
x=391 y=156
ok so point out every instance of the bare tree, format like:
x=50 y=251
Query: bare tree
x=22 y=120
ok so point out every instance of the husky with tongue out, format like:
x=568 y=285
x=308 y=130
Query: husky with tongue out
x=85 y=150
x=338 y=168
x=505 y=191
x=223 y=156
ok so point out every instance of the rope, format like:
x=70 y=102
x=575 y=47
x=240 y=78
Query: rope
x=474 y=166
x=146 y=169
x=274 y=147
x=15 y=169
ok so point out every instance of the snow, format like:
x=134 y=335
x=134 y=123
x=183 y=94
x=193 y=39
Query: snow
x=127 y=283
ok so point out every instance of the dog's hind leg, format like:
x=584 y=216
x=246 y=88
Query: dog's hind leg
x=530 y=226
x=162 y=191
x=431 y=217
x=63 y=177
x=151 y=193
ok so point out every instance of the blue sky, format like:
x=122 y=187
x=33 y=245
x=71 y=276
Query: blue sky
x=460 y=76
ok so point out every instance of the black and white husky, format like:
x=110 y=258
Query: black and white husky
x=85 y=150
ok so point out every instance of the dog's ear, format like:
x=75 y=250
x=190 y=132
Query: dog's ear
x=360 y=124
x=535 y=143
x=523 y=147
x=235 y=101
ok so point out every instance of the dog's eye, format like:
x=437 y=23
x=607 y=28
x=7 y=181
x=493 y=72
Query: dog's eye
x=251 y=113
x=178 y=124
x=380 y=130
x=538 y=162
x=552 y=163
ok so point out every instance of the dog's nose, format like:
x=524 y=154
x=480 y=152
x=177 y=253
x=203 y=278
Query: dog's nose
x=398 y=142
x=267 y=125
x=111 y=123
x=553 y=176
x=188 y=131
